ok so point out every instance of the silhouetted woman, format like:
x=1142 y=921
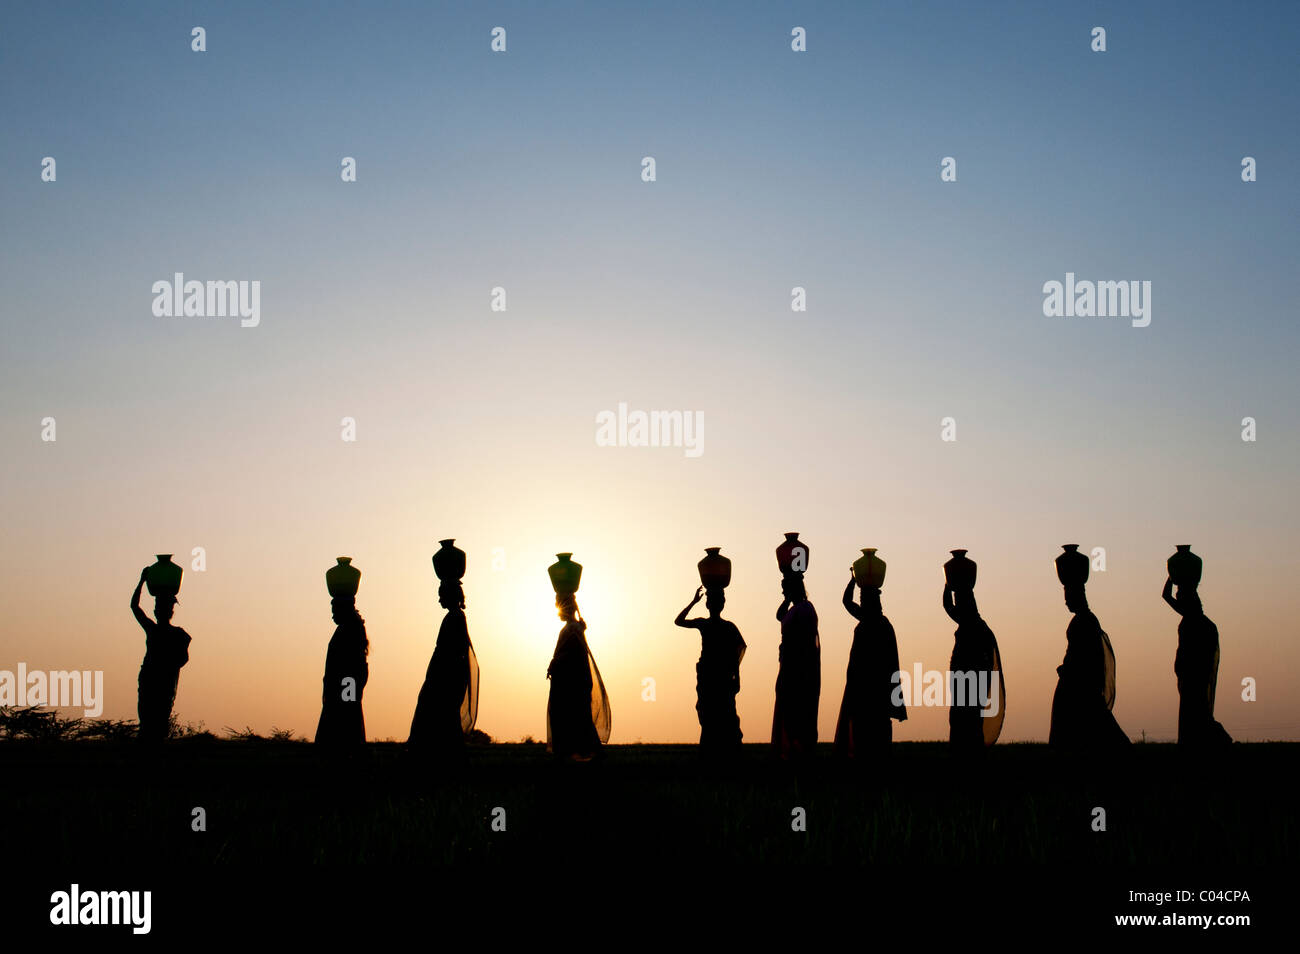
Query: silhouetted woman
x=448 y=705
x=717 y=674
x=1196 y=664
x=868 y=710
x=975 y=665
x=1085 y=687
x=799 y=676
x=342 y=723
x=577 y=710
x=166 y=650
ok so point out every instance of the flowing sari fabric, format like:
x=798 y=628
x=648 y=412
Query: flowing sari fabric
x=469 y=705
x=166 y=651
x=448 y=703
x=993 y=723
x=868 y=704
x=798 y=683
x=601 y=716
x=1197 y=667
x=1214 y=675
x=578 y=717
x=975 y=651
x=342 y=722
x=717 y=681
x=1085 y=689
x=1108 y=661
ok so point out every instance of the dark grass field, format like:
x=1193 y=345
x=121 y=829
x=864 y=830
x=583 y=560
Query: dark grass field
x=286 y=803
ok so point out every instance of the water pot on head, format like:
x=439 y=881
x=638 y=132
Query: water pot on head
x=164 y=577
x=715 y=569
x=1184 y=566
x=789 y=549
x=343 y=578
x=565 y=574
x=869 y=569
x=1072 y=566
x=960 y=571
x=449 y=562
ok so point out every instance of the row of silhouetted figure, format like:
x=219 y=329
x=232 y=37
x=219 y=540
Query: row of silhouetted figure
x=578 y=718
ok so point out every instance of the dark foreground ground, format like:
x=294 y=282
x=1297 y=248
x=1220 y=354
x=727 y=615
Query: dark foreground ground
x=286 y=803
x=913 y=839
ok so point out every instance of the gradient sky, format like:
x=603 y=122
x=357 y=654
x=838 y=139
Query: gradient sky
x=522 y=169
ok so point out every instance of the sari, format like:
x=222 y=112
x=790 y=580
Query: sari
x=867 y=710
x=1196 y=665
x=972 y=725
x=447 y=707
x=1085 y=689
x=341 y=720
x=798 y=683
x=578 y=718
x=717 y=682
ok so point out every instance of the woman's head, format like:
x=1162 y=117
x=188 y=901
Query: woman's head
x=451 y=595
x=871 y=601
x=792 y=587
x=344 y=609
x=1076 y=598
x=567 y=605
x=963 y=601
x=163 y=608
x=714 y=599
x=345 y=613
x=1188 y=600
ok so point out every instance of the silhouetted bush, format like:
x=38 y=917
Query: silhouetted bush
x=38 y=723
